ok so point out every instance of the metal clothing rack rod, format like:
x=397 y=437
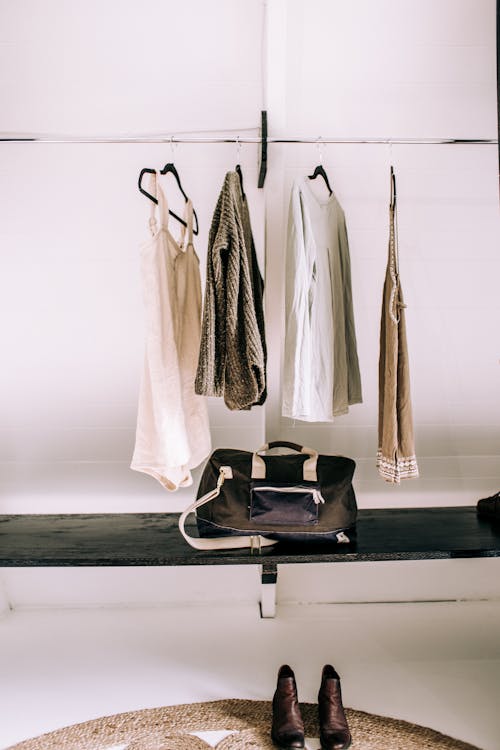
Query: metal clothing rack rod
x=175 y=140
x=410 y=141
x=262 y=139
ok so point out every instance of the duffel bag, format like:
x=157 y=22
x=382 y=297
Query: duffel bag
x=253 y=500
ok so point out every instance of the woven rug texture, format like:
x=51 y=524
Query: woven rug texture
x=169 y=728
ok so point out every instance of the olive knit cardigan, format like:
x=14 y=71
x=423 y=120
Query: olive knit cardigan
x=232 y=361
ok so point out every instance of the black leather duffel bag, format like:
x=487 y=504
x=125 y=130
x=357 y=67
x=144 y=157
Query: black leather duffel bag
x=250 y=500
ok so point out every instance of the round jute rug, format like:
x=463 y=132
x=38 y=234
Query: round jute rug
x=170 y=728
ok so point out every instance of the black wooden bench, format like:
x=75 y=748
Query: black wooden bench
x=122 y=539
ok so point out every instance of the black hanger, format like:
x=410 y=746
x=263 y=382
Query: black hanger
x=240 y=175
x=393 y=188
x=167 y=168
x=320 y=172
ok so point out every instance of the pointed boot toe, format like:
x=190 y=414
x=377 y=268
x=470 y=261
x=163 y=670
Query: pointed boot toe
x=335 y=740
x=285 y=741
x=287 y=730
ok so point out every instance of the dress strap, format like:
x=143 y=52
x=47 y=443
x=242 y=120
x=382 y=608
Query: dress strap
x=395 y=303
x=162 y=203
x=153 y=224
x=393 y=237
x=188 y=218
x=393 y=188
x=157 y=190
x=189 y=222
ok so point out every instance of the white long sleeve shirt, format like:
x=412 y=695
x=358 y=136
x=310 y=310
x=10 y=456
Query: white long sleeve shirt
x=321 y=371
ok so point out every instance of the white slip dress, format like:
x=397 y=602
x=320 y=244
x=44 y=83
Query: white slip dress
x=172 y=434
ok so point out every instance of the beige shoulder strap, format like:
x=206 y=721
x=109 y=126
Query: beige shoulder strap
x=234 y=542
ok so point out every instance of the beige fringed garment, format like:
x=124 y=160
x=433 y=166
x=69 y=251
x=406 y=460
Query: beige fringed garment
x=396 y=458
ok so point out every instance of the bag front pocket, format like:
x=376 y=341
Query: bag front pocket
x=284 y=505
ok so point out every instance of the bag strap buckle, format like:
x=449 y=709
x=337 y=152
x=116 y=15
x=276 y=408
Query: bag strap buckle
x=255 y=544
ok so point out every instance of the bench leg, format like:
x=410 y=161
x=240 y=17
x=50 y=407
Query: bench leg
x=268 y=578
x=5 y=606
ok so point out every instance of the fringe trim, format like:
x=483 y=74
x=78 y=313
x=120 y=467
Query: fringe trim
x=394 y=470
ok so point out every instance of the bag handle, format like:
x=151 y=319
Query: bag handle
x=310 y=469
x=255 y=541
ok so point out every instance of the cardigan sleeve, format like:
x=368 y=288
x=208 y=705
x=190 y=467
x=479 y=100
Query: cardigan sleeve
x=212 y=358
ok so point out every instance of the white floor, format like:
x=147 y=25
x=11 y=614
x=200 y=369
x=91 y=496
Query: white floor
x=436 y=664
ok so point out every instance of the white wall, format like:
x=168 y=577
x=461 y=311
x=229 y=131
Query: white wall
x=416 y=70
x=72 y=221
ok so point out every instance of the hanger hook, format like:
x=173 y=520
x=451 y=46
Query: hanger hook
x=172 y=146
x=391 y=158
x=238 y=148
x=320 y=146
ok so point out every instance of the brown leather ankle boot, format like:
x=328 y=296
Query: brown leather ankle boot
x=287 y=730
x=334 y=732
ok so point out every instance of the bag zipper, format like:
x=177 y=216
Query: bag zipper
x=317 y=496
